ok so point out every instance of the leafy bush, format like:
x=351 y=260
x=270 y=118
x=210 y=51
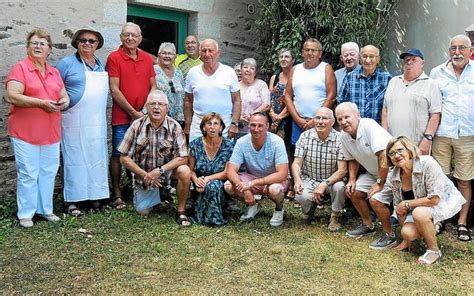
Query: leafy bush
x=288 y=23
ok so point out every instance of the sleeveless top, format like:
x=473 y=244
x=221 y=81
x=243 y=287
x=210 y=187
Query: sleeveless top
x=309 y=89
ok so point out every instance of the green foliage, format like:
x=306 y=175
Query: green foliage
x=288 y=23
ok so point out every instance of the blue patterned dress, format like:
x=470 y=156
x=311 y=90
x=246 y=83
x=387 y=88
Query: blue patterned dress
x=210 y=203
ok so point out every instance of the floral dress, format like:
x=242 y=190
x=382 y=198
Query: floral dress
x=277 y=101
x=174 y=90
x=209 y=204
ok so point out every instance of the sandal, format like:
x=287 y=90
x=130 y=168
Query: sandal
x=182 y=219
x=429 y=257
x=119 y=204
x=73 y=210
x=439 y=227
x=464 y=233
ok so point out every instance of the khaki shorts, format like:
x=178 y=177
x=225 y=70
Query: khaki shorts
x=460 y=151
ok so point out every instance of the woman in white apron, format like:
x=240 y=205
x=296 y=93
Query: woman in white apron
x=84 y=124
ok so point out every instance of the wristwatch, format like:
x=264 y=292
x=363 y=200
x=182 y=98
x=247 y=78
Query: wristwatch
x=380 y=181
x=407 y=205
x=162 y=171
x=327 y=182
x=428 y=137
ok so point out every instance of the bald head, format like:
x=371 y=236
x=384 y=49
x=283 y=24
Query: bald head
x=369 y=59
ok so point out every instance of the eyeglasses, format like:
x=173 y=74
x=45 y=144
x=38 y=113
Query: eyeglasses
x=170 y=83
x=130 y=35
x=323 y=118
x=38 y=43
x=84 y=41
x=190 y=42
x=157 y=104
x=460 y=47
x=370 y=57
x=399 y=151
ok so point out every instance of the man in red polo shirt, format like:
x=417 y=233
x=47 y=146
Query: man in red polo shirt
x=131 y=77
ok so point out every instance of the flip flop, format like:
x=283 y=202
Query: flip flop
x=73 y=210
x=119 y=204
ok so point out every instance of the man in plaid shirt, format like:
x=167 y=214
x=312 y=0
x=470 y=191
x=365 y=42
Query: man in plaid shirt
x=319 y=167
x=366 y=85
x=153 y=147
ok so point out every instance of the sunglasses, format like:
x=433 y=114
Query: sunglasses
x=170 y=83
x=90 y=41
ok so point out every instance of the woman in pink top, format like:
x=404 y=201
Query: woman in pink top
x=254 y=93
x=36 y=95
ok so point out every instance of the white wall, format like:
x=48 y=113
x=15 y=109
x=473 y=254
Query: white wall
x=427 y=25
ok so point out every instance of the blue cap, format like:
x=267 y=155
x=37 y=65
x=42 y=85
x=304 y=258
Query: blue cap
x=412 y=52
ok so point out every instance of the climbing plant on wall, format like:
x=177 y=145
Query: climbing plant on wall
x=287 y=23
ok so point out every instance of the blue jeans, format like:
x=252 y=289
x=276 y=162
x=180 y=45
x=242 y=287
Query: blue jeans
x=118 y=133
x=36 y=168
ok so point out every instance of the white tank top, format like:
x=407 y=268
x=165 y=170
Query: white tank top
x=309 y=89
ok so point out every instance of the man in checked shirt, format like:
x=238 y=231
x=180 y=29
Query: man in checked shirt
x=155 y=146
x=319 y=167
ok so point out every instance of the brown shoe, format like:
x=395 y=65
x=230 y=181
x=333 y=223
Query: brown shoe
x=335 y=221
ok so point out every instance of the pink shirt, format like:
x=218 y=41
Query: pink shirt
x=34 y=125
x=254 y=96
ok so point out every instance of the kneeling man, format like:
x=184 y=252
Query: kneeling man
x=264 y=157
x=363 y=143
x=319 y=167
x=154 y=147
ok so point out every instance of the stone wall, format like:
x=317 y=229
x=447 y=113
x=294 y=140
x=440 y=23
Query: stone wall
x=229 y=22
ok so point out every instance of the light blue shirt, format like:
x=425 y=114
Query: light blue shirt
x=263 y=162
x=72 y=72
x=340 y=74
x=457 y=117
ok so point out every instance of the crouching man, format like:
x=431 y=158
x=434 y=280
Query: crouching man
x=264 y=157
x=319 y=167
x=153 y=147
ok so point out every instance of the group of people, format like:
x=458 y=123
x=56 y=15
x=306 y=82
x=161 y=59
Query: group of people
x=248 y=140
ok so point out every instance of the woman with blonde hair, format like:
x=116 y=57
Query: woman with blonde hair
x=422 y=195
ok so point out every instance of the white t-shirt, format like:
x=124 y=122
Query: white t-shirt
x=371 y=138
x=309 y=89
x=212 y=93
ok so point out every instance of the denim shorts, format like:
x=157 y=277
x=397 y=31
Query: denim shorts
x=118 y=133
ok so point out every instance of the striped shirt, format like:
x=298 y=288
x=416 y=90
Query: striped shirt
x=319 y=157
x=151 y=148
x=366 y=92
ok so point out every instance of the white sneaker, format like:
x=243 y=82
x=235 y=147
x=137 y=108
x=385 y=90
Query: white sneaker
x=27 y=223
x=277 y=218
x=251 y=213
x=51 y=218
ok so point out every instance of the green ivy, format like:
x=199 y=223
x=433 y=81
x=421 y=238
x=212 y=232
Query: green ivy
x=288 y=23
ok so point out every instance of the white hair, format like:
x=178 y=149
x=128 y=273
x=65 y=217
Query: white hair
x=130 y=24
x=461 y=36
x=212 y=41
x=156 y=94
x=349 y=46
x=250 y=61
x=167 y=45
x=347 y=105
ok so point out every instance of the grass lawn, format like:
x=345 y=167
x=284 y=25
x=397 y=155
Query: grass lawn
x=119 y=252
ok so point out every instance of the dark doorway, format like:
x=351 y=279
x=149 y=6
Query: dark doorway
x=155 y=32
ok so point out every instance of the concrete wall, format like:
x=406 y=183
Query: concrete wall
x=229 y=22
x=427 y=25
